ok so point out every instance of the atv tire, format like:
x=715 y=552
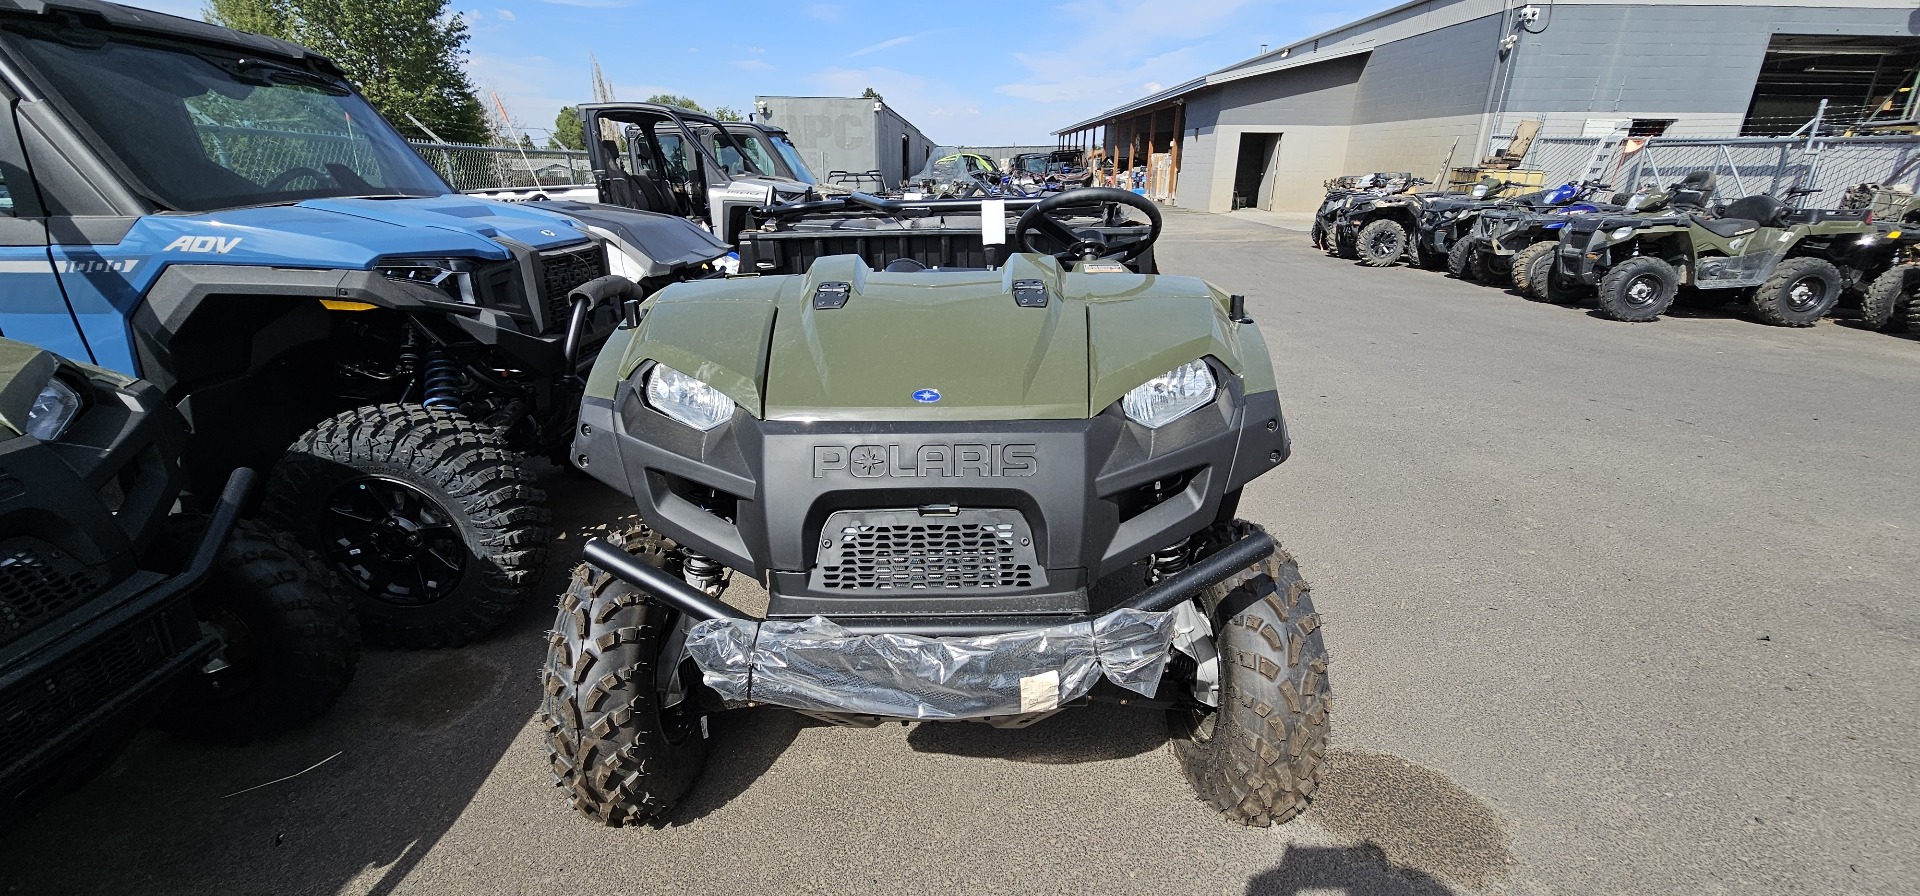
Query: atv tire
x=622 y=757
x=425 y=514
x=1382 y=243
x=1460 y=259
x=1800 y=292
x=1260 y=755
x=1319 y=235
x=1884 y=306
x=1533 y=264
x=1638 y=289
x=1489 y=271
x=290 y=640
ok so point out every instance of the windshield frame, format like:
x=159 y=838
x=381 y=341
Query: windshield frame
x=387 y=144
x=789 y=154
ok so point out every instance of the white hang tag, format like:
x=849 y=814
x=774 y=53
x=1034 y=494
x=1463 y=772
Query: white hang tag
x=993 y=222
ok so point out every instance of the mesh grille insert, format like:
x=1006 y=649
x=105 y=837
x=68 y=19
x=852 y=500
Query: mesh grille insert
x=561 y=271
x=972 y=550
x=39 y=581
x=41 y=707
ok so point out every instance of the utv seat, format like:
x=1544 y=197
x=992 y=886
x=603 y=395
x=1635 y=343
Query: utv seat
x=1761 y=208
x=1727 y=227
x=1693 y=191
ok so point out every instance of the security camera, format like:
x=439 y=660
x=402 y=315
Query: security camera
x=1530 y=14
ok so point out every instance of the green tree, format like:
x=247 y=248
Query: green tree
x=727 y=113
x=407 y=56
x=872 y=94
x=671 y=99
x=568 y=133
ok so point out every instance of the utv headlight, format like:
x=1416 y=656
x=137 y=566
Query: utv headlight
x=1621 y=233
x=1170 y=396
x=686 y=399
x=53 y=410
x=453 y=276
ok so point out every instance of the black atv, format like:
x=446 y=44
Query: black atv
x=1352 y=191
x=114 y=612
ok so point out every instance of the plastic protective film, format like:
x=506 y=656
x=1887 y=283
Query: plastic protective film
x=818 y=666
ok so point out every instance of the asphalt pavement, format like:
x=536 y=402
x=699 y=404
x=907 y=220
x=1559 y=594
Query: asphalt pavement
x=1612 y=608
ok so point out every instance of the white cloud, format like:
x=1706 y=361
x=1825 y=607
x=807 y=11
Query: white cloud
x=753 y=65
x=885 y=44
x=504 y=14
x=1116 y=41
x=1152 y=87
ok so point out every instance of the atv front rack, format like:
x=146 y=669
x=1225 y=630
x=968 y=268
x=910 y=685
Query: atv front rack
x=990 y=668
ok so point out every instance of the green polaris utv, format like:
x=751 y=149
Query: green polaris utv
x=928 y=471
x=1790 y=265
x=115 y=610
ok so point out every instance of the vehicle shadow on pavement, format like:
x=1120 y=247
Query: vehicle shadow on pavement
x=1361 y=870
x=746 y=742
x=1094 y=733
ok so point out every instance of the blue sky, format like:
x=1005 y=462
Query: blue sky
x=981 y=72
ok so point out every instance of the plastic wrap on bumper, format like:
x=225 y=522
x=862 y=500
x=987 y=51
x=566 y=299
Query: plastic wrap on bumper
x=816 y=665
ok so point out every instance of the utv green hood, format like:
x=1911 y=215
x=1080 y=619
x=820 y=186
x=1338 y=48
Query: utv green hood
x=935 y=345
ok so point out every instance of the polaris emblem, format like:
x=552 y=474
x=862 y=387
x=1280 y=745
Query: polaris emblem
x=927 y=396
x=215 y=244
x=548 y=233
x=955 y=461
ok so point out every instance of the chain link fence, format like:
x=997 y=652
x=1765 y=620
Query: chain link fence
x=469 y=167
x=1743 y=166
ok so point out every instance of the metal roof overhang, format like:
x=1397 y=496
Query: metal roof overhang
x=1220 y=77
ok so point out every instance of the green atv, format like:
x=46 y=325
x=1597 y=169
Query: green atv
x=929 y=471
x=1791 y=265
x=114 y=611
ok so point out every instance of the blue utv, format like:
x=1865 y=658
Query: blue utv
x=223 y=215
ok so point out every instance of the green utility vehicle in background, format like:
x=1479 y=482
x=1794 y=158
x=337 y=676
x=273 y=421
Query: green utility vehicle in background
x=1790 y=264
x=929 y=470
x=114 y=611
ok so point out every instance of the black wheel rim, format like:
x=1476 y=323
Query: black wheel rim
x=1806 y=293
x=392 y=541
x=1384 y=244
x=1641 y=291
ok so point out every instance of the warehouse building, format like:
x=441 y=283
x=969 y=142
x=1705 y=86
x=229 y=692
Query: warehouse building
x=1434 y=84
x=855 y=134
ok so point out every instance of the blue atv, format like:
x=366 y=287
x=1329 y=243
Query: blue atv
x=223 y=215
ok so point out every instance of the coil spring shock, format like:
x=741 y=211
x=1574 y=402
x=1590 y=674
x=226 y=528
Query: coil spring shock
x=1174 y=557
x=700 y=570
x=443 y=381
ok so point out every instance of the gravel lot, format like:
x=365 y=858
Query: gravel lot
x=1613 y=609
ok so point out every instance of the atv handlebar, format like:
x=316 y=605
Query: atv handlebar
x=583 y=299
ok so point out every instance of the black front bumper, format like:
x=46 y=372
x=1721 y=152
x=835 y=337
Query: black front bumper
x=1069 y=500
x=73 y=689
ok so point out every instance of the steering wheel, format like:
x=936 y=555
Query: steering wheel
x=290 y=175
x=1087 y=244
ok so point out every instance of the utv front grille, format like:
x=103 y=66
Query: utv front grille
x=563 y=270
x=885 y=550
x=38 y=582
x=41 y=707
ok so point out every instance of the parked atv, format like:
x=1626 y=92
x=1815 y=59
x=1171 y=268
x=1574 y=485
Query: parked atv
x=1517 y=239
x=1796 y=262
x=1348 y=193
x=1448 y=221
x=1886 y=301
x=221 y=214
x=1375 y=227
x=929 y=515
x=114 y=613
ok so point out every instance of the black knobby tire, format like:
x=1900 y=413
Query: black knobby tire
x=1800 y=292
x=1347 y=247
x=290 y=640
x=622 y=758
x=1259 y=757
x=1460 y=259
x=1489 y=268
x=1319 y=235
x=1382 y=243
x=1638 y=289
x=1526 y=265
x=1887 y=298
x=427 y=516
